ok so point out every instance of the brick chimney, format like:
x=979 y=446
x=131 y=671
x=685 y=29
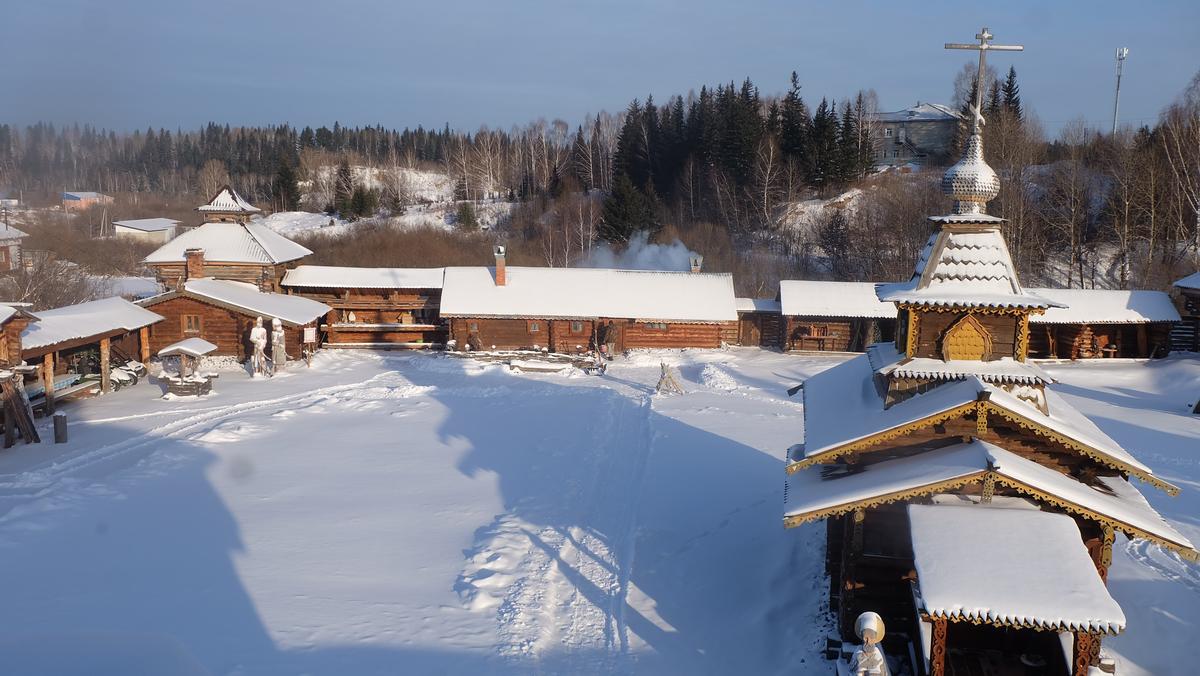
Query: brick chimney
x=500 y=273
x=195 y=263
x=697 y=262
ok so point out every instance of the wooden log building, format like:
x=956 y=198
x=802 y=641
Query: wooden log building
x=223 y=312
x=760 y=323
x=83 y=339
x=1096 y=323
x=833 y=316
x=965 y=500
x=564 y=309
x=233 y=247
x=1185 y=336
x=375 y=307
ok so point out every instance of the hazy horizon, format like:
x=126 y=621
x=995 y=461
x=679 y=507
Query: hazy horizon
x=132 y=65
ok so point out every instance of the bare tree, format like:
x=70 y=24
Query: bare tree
x=1181 y=141
x=211 y=177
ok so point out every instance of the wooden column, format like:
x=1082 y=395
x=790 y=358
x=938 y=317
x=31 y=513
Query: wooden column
x=48 y=380
x=937 y=648
x=144 y=344
x=105 y=376
x=1084 y=644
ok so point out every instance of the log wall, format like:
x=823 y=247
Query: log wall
x=1080 y=341
x=227 y=329
x=398 y=315
x=265 y=276
x=932 y=326
x=760 y=329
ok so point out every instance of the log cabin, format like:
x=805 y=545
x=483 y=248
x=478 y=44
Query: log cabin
x=1186 y=293
x=833 y=316
x=965 y=500
x=223 y=312
x=83 y=339
x=1096 y=323
x=563 y=309
x=374 y=307
x=760 y=323
x=233 y=247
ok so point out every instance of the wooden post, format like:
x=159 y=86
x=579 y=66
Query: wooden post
x=105 y=376
x=10 y=436
x=1083 y=652
x=144 y=344
x=60 y=428
x=48 y=381
x=937 y=648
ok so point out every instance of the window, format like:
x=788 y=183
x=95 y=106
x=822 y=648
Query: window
x=887 y=132
x=192 y=324
x=576 y=327
x=534 y=327
x=895 y=153
x=656 y=326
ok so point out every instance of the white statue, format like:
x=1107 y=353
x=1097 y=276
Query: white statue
x=868 y=660
x=278 y=345
x=258 y=338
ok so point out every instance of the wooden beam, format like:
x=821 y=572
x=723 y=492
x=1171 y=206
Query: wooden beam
x=144 y=344
x=105 y=375
x=48 y=380
x=937 y=648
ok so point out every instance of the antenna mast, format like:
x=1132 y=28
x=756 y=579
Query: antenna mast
x=1122 y=52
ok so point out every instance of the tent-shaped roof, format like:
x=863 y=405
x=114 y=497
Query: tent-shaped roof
x=192 y=347
x=823 y=490
x=806 y=298
x=333 y=277
x=886 y=360
x=1010 y=567
x=1105 y=306
x=228 y=201
x=96 y=318
x=148 y=224
x=231 y=243
x=247 y=299
x=582 y=293
x=967 y=266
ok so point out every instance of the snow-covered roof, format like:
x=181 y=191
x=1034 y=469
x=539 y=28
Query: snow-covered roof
x=1105 y=306
x=227 y=200
x=821 y=491
x=589 y=292
x=964 y=266
x=328 y=276
x=757 y=305
x=230 y=243
x=85 y=320
x=806 y=298
x=8 y=232
x=1010 y=567
x=888 y=361
x=192 y=347
x=7 y=312
x=82 y=195
x=842 y=406
x=1191 y=282
x=922 y=112
x=292 y=310
x=148 y=224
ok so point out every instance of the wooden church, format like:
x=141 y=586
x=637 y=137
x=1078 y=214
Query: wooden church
x=965 y=500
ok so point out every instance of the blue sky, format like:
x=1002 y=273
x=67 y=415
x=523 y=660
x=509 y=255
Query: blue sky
x=135 y=63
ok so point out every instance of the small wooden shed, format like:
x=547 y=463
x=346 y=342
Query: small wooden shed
x=223 y=312
x=1097 y=323
x=760 y=322
x=375 y=307
x=834 y=316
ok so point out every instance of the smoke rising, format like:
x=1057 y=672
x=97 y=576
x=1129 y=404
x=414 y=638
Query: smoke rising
x=640 y=254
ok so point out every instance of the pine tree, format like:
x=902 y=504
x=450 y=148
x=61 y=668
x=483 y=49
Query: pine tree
x=626 y=211
x=343 y=189
x=465 y=217
x=1012 y=95
x=285 y=192
x=847 y=168
x=992 y=107
x=823 y=144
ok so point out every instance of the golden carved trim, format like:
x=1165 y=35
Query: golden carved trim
x=967 y=339
x=981 y=418
x=957 y=616
x=1023 y=339
x=1094 y=454
x=989 y=487
x=836 y=452
x=887 y=498
x=976 y=309
x=914 y=327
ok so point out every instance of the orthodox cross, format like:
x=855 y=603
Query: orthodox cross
x=984 y=46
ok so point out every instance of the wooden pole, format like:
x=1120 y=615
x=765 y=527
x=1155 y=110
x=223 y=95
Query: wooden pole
x=144 y=344
x=60 y=427
x=10 y=436
x=105 y=376
x=48 y=381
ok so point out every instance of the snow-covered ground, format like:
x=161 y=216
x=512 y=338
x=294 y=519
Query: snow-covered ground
x=421 y=514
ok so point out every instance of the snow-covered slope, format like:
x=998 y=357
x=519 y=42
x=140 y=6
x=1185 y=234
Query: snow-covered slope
x=418 y=514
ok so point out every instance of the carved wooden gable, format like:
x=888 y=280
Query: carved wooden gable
x=967 y=339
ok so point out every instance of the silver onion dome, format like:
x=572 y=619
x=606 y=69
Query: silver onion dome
x=971 y=183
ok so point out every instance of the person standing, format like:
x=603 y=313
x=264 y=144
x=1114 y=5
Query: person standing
x=610 y=339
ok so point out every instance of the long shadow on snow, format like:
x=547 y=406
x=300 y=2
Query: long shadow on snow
x=689 y=518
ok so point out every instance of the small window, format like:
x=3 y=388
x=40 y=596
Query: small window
x=192 y=324
x=473 y=327
x=576 y=327
x=887 y=132
x=657 y=326
x=895 y=153
x=534 y=327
